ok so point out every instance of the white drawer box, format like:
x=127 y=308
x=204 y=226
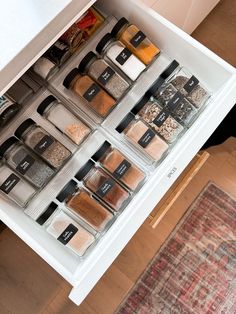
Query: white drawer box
x=216 y=74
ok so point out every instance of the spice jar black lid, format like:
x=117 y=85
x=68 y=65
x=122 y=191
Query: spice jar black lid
x=119 y=25
x=101 y=151
x=161 y=79
x=142 y=102
x=170 y=69
x=48 y=213
x=102 y=43
x=70 y=77
x=68 y=189
x=7 y=144
x=23 y=127
x=45 y=103
x=125 y=122
x=86 y=60
x=84 y=170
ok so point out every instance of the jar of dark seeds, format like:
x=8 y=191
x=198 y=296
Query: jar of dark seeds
x=42 y=143
x=175 y=102
x=104 y=75
x=151 y=111
x=25 y=163
x=190 y=86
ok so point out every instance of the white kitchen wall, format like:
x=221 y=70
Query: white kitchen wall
x=186 y=14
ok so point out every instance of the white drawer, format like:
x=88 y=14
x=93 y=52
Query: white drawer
x=217 y=75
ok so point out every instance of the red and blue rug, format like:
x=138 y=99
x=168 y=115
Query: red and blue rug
x=195 y=270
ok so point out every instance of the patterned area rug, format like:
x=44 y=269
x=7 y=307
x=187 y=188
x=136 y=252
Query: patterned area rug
x=195 y=270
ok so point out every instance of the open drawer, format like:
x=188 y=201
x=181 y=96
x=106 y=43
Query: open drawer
x=218 y=76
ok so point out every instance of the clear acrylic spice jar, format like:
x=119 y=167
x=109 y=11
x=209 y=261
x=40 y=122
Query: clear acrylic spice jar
x=8 y=109
x=83 y=203
x=134 y=39
x=121 y=56
x=14 y=186
x=43 y=144
x=24 y=162
x=160 y=120
x=190 y=87
x=143 y=137
x=119 y=166
x=104 y=75
x=63 y=119
x=95 y=96
x=176 y=103
x=103 y=186
x=44 y=67
x=66 y=230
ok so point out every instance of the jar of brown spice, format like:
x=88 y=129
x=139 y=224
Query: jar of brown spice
x=119 y=166
x=100 y=183
x=83 y=203
x=98 y=100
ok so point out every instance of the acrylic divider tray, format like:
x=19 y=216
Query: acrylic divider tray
x=69 y=191
x=77 y=96
x=43 y=145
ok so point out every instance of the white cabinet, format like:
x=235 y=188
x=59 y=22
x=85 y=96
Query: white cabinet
x=186 y=14
x=215 y=73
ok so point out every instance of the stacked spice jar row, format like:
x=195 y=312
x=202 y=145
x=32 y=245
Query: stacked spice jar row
x=100 y=190
x=102 y=79
x=162 y=115
x=32 y=158
x=69 y=43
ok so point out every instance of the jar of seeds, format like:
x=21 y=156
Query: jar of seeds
x=190 y=86
x=104 y=75
x=42 y=143
x=150 y=110
x=175 y=102
x=25 y=162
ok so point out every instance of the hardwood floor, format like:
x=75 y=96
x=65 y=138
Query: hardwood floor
x=29 y=286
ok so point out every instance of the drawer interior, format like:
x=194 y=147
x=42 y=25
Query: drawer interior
x=175 y=44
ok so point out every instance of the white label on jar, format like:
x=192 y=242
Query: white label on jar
x=5 y=102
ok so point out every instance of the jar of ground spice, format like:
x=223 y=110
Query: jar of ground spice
x=139 y=134
x=134 y=39
x=83 y=203
x=104 y=75
x=14 y=186
x=66 y=230
x=25 y=163
x=100 y=183
x=160 y=119
x=44 y=67
x=97 y=98
x=64 y=120
x=190 y=87
x=121 y=56
x=119 y=166
x=175 y=102
x=42 y=143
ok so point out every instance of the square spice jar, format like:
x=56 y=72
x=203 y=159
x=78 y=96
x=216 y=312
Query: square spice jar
x=66 y=230
x=119 y=166
x=190 y=86
x=83 y=203
x=138 y=133
x=177 y=104
x=103 y=186
x=160 y=120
